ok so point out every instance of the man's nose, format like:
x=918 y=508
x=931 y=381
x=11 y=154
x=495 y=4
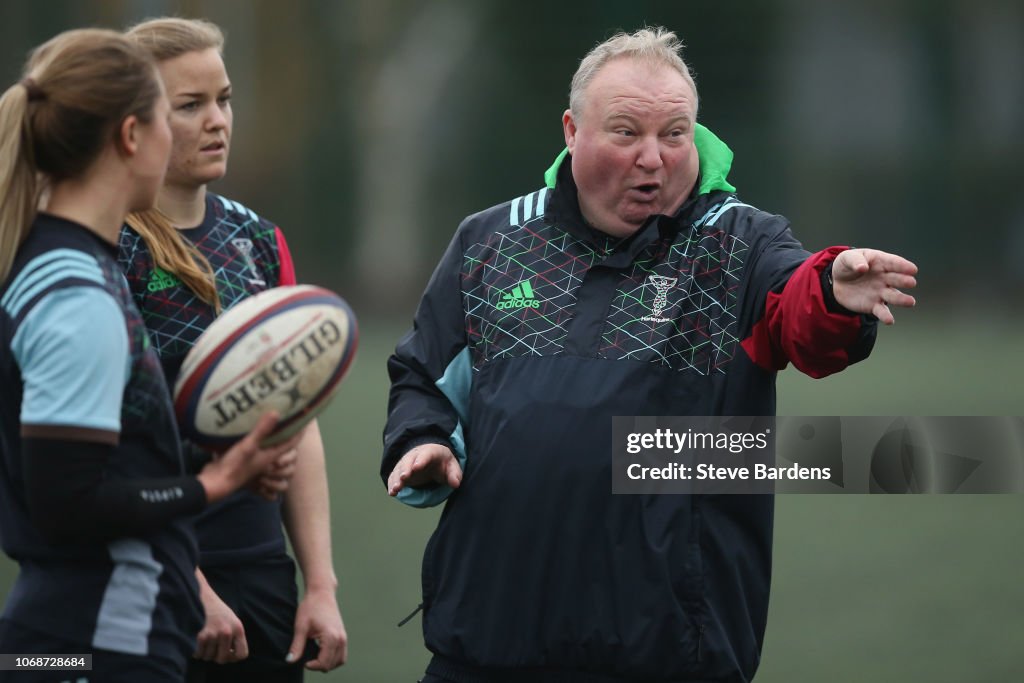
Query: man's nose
x=649 y=154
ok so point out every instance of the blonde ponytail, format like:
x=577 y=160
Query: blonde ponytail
x=176 y=255
x=19 y=188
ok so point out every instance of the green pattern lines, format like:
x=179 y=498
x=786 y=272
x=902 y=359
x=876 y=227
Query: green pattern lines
x=676 y=306
x=694 y=325
x=552 y=265
x=242 y=250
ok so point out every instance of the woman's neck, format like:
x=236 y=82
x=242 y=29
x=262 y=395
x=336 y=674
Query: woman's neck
x=90 y=204
x=185 y=207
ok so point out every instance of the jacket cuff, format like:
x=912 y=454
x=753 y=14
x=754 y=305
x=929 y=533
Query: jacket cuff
x=828 y=292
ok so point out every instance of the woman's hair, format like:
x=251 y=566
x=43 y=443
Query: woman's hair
x=170 y=37
x=75 y=91
x=164 y=39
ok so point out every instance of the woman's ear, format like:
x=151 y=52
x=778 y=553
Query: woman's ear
x=128 y=136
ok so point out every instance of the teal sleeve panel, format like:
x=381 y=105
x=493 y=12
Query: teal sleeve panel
x=72 y=349
x=455 y=384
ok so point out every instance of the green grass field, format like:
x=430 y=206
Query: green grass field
x=866 y=588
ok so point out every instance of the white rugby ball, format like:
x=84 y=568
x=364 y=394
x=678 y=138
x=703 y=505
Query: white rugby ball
x=285 y=349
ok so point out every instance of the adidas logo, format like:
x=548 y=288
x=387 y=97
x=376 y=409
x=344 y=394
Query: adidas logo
x=521 y=296
x=160 y=279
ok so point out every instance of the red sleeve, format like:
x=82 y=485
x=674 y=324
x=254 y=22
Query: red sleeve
x=286 y=276
x=798 y=328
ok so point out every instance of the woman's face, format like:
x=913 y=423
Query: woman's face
x=200 y=95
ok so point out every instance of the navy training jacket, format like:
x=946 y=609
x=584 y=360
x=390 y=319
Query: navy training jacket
x=533 y=332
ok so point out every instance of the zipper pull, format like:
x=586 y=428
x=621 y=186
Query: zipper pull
x=405 y=621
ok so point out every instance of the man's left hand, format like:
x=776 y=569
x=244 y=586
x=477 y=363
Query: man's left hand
x=869 y=281
x=319 y=618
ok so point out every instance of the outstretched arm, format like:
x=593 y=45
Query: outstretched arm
x=821 y=325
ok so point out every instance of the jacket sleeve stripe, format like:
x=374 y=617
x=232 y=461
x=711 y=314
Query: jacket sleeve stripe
x=725 y=207
x=541 y=198
x=513 y=216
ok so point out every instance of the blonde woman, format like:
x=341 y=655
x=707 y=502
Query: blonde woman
x=197 y=254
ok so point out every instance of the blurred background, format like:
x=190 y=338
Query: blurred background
x=369 y=128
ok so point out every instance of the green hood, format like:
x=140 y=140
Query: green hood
x=715 y=161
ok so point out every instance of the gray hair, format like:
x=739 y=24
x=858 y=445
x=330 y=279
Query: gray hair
x=655 y=45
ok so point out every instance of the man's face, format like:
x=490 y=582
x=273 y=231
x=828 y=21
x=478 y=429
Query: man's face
x=632 y=144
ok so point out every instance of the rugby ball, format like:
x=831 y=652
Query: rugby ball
x=284 y=349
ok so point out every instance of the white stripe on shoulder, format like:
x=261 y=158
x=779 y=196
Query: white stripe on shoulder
x=513 y=217
x=226 y=203
x=532 y=205
x=46 y=270
x=541 y=198
x=729 y=204
x=241 y=208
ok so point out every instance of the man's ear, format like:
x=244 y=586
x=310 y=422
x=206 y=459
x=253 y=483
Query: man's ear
x=128 y=136
x=569 y=128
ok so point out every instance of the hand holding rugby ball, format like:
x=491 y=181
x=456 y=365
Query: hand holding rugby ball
x=285 y=349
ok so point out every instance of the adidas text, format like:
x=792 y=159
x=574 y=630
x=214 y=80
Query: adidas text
x=161 y=280
x=517 y=303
